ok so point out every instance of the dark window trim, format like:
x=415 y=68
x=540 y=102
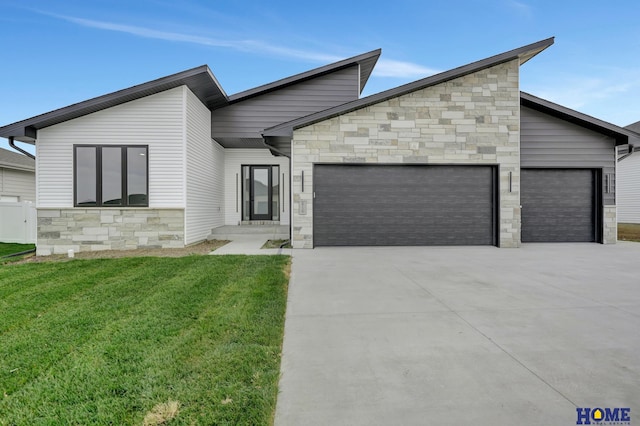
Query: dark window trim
x=98 y=171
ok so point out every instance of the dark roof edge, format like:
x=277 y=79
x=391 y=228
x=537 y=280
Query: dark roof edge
x=560 y=111
x=6 y=131
x=634 y=127
x=307 y=75
x=13 y=166
x=13 y=160
x=526 y=52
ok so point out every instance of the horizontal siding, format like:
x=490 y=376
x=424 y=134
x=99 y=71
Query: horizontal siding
x=205 y=174
x=234 y=160
x=628 y=195
x=18 y=183
x=547 y=141
x=156 y=120
x=246 y=119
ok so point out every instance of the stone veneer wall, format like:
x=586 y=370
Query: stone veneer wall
x=474 y=119
x=610 y=225
x=94 y=229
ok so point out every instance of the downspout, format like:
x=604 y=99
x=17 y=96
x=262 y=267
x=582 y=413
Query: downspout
x=275 y=150
x=13 y=145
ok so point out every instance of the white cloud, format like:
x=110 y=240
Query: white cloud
x=581 y=92
x=520 y=7
x=242 y=45
x=384 y=68
x=610 y=97
x=391 y=68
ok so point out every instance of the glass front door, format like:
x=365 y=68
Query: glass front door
x=260 y=193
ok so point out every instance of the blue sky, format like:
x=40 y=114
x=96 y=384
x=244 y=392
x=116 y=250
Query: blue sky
x=60 y=52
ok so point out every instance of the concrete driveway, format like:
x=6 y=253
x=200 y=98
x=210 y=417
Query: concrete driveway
x=469 y=335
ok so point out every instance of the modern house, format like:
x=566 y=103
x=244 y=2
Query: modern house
x=628 y=176
x=17 y=177
x=458 y=158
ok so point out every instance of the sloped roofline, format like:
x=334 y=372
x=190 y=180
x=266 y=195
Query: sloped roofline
x=523 y=53
x=620 y=134
x=13 y=160
x=366 y=61
x=200 y=80
x=634 y=127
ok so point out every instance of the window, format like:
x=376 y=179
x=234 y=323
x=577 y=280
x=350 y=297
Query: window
x=111 y=176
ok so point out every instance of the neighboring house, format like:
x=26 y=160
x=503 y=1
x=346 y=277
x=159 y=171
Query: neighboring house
x=17 y=177
x=446 y=160
x=628 y=177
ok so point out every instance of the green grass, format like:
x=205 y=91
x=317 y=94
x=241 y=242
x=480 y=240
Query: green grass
x=11 y=248
x=104 y=341
x=629 y=231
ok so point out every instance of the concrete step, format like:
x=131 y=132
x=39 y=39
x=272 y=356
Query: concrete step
x=230 y=232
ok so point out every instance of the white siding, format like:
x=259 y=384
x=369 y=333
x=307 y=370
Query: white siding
x=204 y=174
x=234 y=160
x=156 y=120
x=628 y=189
x=18 y=183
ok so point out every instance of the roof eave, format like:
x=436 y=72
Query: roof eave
x=369 y=59
x=17 y=167
x=523 y=54
x=622 y=135
x=25 y=130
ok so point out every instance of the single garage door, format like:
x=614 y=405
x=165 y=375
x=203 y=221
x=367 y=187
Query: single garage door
x=366 y=205
x=558 y=205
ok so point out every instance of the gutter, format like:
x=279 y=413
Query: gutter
x=13 y=145
x=272 y=148
x=631 y=151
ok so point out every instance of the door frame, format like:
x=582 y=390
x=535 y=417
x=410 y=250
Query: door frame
x=250 y=215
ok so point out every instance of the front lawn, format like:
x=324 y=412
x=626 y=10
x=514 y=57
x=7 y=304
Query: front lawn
x=112 y=341
x=629 y=232
x=11 y=248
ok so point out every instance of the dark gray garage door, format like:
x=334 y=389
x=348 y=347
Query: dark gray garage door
x=357 y=205
x=557 y=205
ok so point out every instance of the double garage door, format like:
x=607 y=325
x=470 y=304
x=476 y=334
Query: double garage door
x=386 y=205
x=358 y=205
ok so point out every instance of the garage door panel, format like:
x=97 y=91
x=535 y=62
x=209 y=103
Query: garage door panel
x=558 y=205
x=403 y=205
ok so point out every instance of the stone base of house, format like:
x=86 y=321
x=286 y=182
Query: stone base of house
x=93 y=229
x=610 y=225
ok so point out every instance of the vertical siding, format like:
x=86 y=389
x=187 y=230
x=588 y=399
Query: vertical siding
x=204 y=173
x=628 y=195
x=234 y=160
x=547 y=141
x=246 y=119
x=18 y=183
x=156 y=120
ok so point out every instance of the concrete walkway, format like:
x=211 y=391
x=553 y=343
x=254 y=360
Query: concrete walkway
x=247 y=239
x=457 y=336
x=248 y=244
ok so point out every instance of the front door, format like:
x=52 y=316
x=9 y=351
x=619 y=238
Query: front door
x=260 y=193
